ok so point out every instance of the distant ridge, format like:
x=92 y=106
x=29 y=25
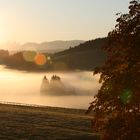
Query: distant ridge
x=49 y=47
x=85 y=56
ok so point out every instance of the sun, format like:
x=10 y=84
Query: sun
x=3 y=35
x=3 y=31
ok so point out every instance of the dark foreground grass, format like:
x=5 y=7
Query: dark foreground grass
x=44 y=123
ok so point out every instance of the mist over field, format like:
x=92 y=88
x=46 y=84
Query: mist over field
x=23 y=87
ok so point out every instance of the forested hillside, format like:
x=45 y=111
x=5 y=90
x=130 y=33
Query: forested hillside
x=84 y=56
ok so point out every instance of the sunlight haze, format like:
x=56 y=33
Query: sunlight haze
x=46 y=20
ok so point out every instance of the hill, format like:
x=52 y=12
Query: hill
x=87 y=55
x=49 y=47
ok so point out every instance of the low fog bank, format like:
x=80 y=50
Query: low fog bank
x=23 y=87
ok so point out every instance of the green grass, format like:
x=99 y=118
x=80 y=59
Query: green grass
x=44 y=123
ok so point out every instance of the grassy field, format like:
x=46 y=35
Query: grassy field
x=44 y=123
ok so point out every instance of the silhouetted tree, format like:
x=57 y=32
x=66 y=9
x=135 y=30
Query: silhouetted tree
x=117 y=104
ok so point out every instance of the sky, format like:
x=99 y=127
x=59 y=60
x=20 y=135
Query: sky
x=47 y=20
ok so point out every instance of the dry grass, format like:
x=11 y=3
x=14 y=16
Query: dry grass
x=44 y=123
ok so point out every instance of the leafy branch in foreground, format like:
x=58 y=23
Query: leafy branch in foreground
x=117 y=104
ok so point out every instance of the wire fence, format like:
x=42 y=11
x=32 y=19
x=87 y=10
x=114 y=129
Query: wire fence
x=21 y=104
